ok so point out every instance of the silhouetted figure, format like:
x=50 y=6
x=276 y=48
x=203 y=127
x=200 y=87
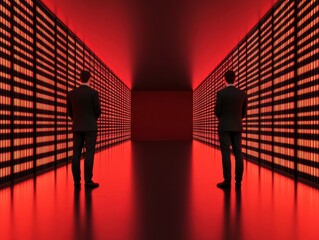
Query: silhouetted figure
x=230 y=109
x=84 y=109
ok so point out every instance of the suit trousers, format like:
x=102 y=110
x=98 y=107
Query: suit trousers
x=226 y=139
x=80 y=139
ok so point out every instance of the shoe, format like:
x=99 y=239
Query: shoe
x=77 y=185
x=91 y=185
x=238 y=185
x=224 y=184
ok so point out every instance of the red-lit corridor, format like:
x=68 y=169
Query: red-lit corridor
x=163 y=85
x=159 y=190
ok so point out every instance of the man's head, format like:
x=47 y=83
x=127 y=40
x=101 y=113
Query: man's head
x=230 y=76
x=85 y=76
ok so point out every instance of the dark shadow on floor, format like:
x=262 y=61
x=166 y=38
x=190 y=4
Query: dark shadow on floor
x=161 y=173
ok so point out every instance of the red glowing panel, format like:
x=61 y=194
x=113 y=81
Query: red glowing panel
x=22 y=87
x=307 y=89
x=283 y=86
x=277 y=65
x=40 y=62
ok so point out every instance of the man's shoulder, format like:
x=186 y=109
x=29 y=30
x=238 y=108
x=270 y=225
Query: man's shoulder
x=238 y=90
x=242 y=92
x=75 y=90
x=92 y=91
x=70 y=93
x=224 y=90
x=221 y=91
x=228 y=90
x=82 y=89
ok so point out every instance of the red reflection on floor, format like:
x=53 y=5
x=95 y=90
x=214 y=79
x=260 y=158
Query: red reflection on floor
x=49 y=208
x=159 y=190
x=269 y=206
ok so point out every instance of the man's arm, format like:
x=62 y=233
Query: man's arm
x=244 y=110
x=69 y=107
x=218 y=106
x=96 y=105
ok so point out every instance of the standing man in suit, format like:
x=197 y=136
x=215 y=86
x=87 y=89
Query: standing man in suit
x=84 y=109
x=230 y=109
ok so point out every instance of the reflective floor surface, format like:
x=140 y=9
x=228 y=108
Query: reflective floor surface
x=159 y=191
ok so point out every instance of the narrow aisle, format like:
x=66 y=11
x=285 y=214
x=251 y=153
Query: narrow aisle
x=159 y=190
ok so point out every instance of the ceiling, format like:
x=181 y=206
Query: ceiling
x=160 y=45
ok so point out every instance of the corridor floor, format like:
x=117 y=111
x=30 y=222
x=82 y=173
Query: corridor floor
x=159 y=191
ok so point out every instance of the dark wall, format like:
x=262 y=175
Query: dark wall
x=161 y=115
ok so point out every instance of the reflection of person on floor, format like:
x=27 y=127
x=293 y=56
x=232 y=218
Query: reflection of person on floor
x=84 y=109
x=230 y=109
x=232 y=219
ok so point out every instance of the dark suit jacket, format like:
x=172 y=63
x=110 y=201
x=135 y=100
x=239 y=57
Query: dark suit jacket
x=84 y=109
x=230 y=109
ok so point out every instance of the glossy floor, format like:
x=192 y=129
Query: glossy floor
x=159 y=191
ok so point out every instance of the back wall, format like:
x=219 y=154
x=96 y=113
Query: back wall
x=162 y=115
